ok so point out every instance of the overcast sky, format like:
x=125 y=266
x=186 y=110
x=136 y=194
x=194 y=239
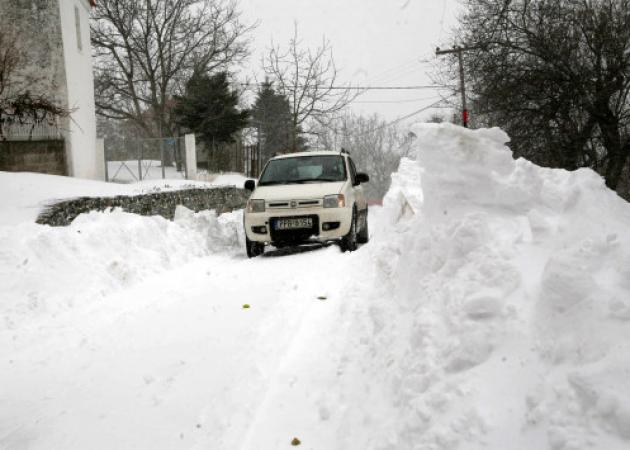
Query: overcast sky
x=375 y=42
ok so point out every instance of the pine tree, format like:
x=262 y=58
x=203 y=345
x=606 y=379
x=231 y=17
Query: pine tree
x=209 y=108
x=271 y=115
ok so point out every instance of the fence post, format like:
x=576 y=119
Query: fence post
x=162 y=159
x=139 y=145
x=101 y=161
x=191 y=157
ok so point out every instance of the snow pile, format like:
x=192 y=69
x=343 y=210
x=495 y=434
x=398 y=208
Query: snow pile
x=46 y=270
x=501 y=313
x=223 y=179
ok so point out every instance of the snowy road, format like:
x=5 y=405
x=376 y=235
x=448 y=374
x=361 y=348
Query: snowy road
x=177 y=361
x=490 y=310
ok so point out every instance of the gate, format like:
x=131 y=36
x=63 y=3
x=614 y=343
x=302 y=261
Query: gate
x=252 y=160
x=133 y=160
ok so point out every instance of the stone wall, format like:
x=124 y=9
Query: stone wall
x=221 y=199
x=33 y=156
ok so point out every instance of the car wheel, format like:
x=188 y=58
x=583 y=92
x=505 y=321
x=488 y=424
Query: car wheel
x=363 y=236
x=254 y=248
x=349 y=241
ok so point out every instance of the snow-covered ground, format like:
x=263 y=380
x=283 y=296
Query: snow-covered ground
x=491 y=310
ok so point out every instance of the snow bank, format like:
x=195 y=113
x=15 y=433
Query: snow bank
x=223 y=179
x=44 y=270
x=501 y=313
x=47 y=270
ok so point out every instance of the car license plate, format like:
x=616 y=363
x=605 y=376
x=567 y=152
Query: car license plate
x=294 y=223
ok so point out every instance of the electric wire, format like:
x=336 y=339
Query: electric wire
x=412 y=100
x=415 y=113
x=364 y=88
x=378 y=77
x=397 y=72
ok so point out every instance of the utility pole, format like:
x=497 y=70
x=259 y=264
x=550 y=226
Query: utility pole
x=459 y=51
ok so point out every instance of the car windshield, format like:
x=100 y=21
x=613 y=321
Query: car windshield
x=304 y=169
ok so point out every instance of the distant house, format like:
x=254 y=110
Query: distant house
x=55 y=38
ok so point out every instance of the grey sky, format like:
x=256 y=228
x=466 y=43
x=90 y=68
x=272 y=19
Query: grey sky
x=375 y=42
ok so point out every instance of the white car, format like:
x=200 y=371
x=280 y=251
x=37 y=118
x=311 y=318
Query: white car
x=304 y=197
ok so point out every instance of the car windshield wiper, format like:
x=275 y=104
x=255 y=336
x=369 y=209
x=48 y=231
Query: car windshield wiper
x=328 y=180
x=315 y=180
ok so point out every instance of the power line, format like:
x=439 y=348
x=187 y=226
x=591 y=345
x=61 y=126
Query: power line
x=415 y=113
x=362 y=88
x=378 y=77
x=385 y=76
x=403 y=74
x=413 y=100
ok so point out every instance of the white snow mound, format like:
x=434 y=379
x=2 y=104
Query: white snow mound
x=502 y=303
x=47 y=270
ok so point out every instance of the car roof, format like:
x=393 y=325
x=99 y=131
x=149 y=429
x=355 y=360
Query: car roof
x=313 y=153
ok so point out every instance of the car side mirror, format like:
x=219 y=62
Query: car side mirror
x=362 y=178
x=250 y=185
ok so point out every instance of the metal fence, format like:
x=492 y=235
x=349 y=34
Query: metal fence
x=132 y=160
x=232 y=157
x=253 y=161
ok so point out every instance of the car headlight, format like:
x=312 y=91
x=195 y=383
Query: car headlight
x=334 y=201
x=255 y=206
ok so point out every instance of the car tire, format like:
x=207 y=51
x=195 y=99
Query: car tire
x=364 y=236
x=349 y=242
x=254 y=248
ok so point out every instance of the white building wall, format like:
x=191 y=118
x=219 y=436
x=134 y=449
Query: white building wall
x=81 y=133
x=37 y=25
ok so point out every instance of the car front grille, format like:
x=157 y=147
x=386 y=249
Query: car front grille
x=290 y=204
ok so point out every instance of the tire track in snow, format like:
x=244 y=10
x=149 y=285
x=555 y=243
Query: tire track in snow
x=293 y=403
x=280 y=329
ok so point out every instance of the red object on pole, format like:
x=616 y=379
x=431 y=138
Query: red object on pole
x=465 y=117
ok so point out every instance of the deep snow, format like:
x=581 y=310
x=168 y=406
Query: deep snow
x=491 y=309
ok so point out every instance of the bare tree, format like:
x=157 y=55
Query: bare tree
x=145 y=51
x=555 y=75
x=375 y=146
x=309 y=80
x=17 y=104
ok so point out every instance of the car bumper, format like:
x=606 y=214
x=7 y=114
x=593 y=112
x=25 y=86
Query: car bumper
x=321 y=217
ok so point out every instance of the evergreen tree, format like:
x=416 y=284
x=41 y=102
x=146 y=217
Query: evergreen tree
x=271 y=115
x=209 y=108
